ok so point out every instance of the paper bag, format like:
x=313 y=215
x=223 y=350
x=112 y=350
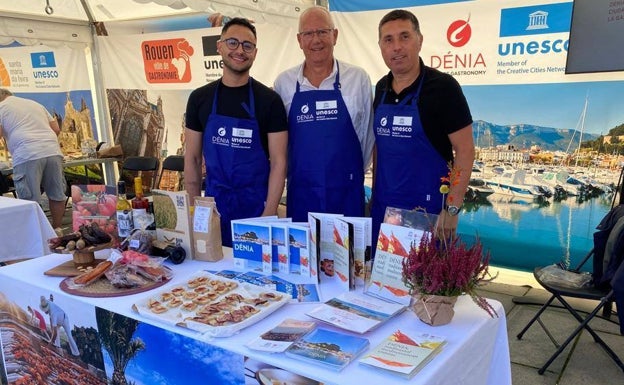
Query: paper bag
x=207 y=230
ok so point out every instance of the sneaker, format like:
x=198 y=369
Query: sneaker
x=59 y=232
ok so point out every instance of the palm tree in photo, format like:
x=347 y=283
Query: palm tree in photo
x=116 y=333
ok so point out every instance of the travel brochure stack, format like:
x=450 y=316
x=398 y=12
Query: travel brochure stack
x=335 y=249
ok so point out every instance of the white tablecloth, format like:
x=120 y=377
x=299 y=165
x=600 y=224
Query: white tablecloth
x=24 y=230
x=477 y=352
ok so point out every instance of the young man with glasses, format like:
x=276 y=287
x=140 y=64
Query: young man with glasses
x=422 y=123
x=329 y=104
x=239 y=126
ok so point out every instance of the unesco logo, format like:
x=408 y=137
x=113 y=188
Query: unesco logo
x=459 y=32
x=304 y=109
x=221 y=131
x=384 y=121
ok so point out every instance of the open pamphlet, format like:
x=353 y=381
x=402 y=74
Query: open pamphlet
x=402 y=354
x=280 y=337
x=356 y=312
x=331 y=349
x=342 y=246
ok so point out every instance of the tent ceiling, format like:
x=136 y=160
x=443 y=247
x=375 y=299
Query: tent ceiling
x=270 y=11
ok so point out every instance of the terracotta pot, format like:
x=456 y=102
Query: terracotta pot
x=434 y=310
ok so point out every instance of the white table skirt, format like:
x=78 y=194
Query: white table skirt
x=24 y=230
x=477 y=352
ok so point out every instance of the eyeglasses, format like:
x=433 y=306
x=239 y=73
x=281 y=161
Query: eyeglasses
x=321 y=33
x=233 y=43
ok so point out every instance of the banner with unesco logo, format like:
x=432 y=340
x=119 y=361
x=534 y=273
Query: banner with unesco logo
x=508 y=56
x=57 y=78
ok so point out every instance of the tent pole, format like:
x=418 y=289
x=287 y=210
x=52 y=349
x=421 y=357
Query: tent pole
x=105 y=131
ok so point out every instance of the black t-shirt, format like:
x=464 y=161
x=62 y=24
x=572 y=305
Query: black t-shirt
x=270 y=111
x=442 y=106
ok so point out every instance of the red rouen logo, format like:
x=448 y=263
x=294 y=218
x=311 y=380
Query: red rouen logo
x=459 y=32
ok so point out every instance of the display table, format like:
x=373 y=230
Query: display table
x=25 y=230
x=477 y=350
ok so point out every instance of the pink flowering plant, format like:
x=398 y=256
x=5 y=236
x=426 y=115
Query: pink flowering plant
x=447 y=266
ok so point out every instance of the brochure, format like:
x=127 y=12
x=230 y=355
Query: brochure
x=299 y=248
x=252 y=244
x=280 y=247
x=361 y=242
x=401 y=229
x=172 y=218
x=95 y=204
x=402 y=354
x=328 y=348
x=344 y=260
x=322 y=235
x=279 y=338
x=356 y=312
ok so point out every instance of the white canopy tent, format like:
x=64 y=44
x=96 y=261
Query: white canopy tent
x=54 y=22
x=75 y=23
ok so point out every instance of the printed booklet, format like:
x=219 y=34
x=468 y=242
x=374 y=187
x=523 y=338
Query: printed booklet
x=252 y=246
x=401 y=229
x=328 y=348
x=279 y=338
x=356 y=312
x=402 y=354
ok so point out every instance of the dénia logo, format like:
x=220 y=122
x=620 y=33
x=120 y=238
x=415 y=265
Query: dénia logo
x=459 y=32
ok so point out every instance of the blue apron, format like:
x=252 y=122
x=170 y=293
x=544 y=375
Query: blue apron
x=408 y=167
x=237 y=168
x=325 y=162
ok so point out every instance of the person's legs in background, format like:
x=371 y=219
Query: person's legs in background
x=54 y=185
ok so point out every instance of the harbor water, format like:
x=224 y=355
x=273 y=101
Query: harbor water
x=522 y=235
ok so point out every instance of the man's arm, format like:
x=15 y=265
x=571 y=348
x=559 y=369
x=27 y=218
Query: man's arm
x=463 y=146
x=193 y=162
x=55 y=127
x=278 y=147
x=366 y=135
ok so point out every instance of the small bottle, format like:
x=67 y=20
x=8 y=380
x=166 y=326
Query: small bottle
x=151 y=228
x=139 y=203
x=124 y=212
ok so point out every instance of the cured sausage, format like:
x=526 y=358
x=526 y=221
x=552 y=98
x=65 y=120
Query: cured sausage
x=90 y=276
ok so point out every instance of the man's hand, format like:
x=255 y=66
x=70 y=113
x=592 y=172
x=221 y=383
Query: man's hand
x=446 y=226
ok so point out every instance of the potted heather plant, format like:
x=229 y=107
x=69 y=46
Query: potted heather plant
x=438 y=270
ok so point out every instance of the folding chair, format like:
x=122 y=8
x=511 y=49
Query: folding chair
x=172 y=166
x=141 y=164
x=605 y=291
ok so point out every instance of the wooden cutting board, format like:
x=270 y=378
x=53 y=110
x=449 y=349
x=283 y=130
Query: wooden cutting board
x=68 y=269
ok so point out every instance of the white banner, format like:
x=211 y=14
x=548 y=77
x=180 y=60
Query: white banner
x=40 y=68
x=185 y=60
x=478 y=42
x=509 y=56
